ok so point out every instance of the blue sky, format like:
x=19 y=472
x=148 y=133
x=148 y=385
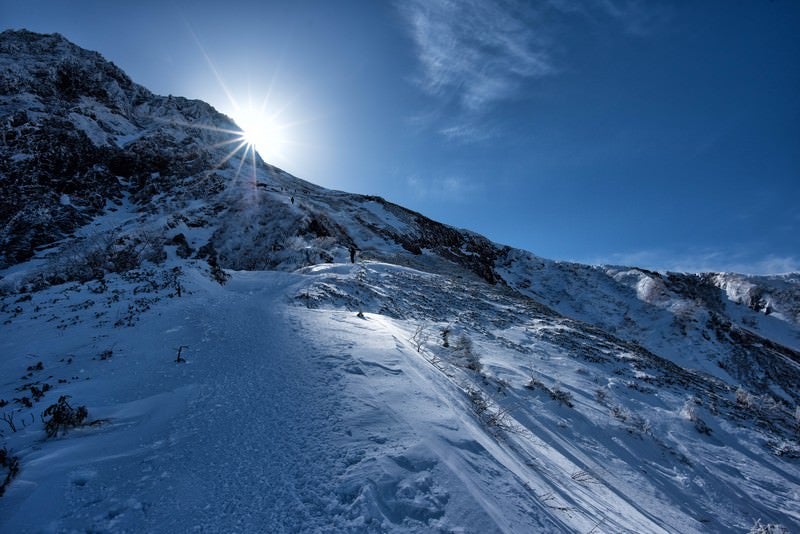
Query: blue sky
x=661 y=134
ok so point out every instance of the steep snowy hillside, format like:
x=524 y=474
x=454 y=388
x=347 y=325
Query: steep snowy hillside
x=193 y=339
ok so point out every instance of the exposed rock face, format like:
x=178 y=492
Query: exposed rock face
x=77 y=135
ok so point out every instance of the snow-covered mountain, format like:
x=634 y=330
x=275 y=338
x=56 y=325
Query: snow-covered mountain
x=257 y=353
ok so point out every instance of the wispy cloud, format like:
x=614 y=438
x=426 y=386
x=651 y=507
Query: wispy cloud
x=466 y=131
x=475 y=52
x=704 y=261
x=637 y=17
x=447 y=189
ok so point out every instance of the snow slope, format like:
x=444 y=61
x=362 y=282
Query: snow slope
x=439 y=382
x=291 y=414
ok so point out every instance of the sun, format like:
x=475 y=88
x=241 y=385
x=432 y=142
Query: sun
x=263 y=116
x=262 y=132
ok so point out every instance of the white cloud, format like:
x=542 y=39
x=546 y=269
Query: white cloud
x=475 y=52
x=449 y=188
x=637 y=17
x=467 y=132
x=703 y=261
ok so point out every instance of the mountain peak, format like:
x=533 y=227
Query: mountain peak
x=50 y=66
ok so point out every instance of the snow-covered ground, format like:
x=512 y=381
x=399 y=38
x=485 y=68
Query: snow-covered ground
x=294 y=413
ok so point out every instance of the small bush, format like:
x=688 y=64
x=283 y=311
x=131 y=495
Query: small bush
x=563 y=397
x=471 y=360
x=479 y=401
x=182 y=248
x=743 y=398
x=620 y=413
x=689 y=411
x=38 y=392
x=10 y=464
x=535 y=383
x=62 y=416
x=633 y=423
x=785 y=449
x=769 y=528
x=489 y=413
x=85 y=260
x=420 y=337
x=446 y=337
x=208 y=252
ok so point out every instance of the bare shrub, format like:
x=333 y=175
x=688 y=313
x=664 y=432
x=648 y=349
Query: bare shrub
x=743 y=398
x=639 y=424
x=501 y=419
x=785 y=449
x=489 y=413
x=208 y=252
x=473 y=362
x=767 y=528
x=8 y=418
x=361 y=274
x=690 y=412
x=633 y=423
x=108 y=252
x=465 y=347
x=562 y=396
x=419 y=337
x=620 y=413
x=446 y=336
x=479 y=401
x=535 y=383
x=10 y=464
x=550 y=500
x=62 y=416
x=582 y=477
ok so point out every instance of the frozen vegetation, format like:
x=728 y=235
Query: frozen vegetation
x=196 y=342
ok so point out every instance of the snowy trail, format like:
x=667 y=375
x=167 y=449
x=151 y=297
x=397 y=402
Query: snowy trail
x=289 y=418
x=255 y=446
x=241 y=438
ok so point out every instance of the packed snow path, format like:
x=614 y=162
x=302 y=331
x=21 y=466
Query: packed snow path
x=238 y=438
x=282 y=419
x=256 y=444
